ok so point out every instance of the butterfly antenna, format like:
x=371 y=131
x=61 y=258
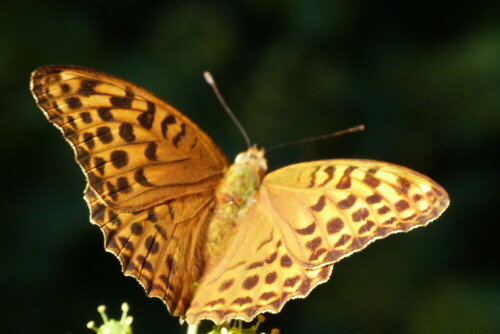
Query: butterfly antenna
x=357 y=128
x=210 y=80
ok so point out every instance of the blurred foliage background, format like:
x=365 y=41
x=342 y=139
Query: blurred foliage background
x=424 y=77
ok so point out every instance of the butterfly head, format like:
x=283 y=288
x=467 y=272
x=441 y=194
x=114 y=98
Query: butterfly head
x=253 y=158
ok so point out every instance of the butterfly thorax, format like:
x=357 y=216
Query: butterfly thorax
x=234 y=195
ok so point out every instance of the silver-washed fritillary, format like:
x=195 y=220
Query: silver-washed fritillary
x=213 y=240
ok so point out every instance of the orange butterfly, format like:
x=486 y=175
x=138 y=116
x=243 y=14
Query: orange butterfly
x=213 y=240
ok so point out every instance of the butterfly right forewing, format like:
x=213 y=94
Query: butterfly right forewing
x=326 y=210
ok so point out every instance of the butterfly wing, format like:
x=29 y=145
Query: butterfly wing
x=162 y=247
x=255 y=274
x=151 y=175
x=135 y=150
x=326 y=210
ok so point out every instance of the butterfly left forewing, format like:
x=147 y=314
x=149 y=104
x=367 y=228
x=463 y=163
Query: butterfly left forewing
x=135 y=150
x=326 y=210
x=151 y=175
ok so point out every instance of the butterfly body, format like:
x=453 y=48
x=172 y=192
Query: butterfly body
x=235 y=193
x=215 y=241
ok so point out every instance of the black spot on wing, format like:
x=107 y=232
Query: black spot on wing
x=126 y=132
x=87 y=87
x=178 y=136
x=105 y=113
x=165 y=123
x=140 y=178
x=146 y=118
x=150 y=151
x=121 y=102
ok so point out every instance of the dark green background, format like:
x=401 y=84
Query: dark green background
x=423 y=76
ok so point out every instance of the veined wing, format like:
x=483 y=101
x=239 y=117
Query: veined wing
x=326 y=210
x=135 y=150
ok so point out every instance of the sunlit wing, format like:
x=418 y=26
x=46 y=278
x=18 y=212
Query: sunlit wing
x=326 y=210
x=255 y=275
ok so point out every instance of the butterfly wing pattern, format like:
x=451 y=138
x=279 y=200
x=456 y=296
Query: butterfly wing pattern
x=347 y=204
x=155 y=188
x=256 y=274
x=151 y=174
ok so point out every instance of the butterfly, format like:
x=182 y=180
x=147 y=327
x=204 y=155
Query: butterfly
x=213 y=240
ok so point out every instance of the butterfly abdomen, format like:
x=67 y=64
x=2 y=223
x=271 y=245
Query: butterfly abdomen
x=234 y=195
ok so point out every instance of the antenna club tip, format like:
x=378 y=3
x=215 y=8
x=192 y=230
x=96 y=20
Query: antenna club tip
x=208 y=77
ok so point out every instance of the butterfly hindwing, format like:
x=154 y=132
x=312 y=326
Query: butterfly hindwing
x=162 y=247
x=255 y=274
